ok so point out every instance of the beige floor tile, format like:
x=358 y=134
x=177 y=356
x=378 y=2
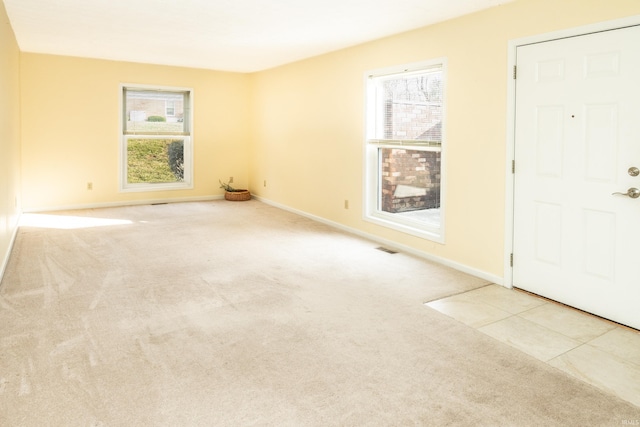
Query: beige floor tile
x=589 y=348
x=509 y=300
x=567 y=321
x=533 y=339
x=621 y=342
x=468 y=311
x=603 y=370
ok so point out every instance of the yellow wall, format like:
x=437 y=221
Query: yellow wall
x=307 y=139
x=298 y=127
x=9 y=136
x=70 y=130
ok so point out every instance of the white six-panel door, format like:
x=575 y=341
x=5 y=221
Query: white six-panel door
x=577 y=141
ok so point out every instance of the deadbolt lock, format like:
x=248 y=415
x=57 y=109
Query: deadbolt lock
x=634 y=171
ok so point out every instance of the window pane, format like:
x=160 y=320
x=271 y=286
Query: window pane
x=154 y=112
x=410 y=183
x=405 y=122
x=171 y=109
x=155 y=160
x=411 y=107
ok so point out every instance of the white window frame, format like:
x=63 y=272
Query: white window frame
x=187 y=182
x=372 y=213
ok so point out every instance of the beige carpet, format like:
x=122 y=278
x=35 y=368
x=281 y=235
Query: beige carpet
x=241 y=314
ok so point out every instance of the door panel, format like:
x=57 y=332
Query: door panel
x=577 y=133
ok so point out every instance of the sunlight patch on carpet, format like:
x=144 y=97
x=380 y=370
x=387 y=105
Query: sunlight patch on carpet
x=66 y=222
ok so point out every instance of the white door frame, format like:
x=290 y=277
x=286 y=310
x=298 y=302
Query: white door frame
x=511 y=117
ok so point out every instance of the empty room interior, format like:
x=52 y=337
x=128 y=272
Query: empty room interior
x=439 y=224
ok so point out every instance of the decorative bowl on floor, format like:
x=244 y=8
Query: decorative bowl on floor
x=237 y=195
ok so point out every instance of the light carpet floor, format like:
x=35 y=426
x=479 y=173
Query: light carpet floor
x=241 y=314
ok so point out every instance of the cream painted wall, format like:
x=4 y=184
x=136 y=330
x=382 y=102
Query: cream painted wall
x=9 y=137
x=298 y=127
x=70 y=133
x=307 y=134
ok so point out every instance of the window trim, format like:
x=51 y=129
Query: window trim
x=371 y=211
x=187 y=137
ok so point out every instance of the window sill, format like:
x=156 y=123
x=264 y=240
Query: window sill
x=137 y=188
x=414 y=228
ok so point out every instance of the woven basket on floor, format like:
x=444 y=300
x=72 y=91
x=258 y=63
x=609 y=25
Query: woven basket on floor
x=238 y=195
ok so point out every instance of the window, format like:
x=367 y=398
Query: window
x=404 y=141
x=170 y=107
x=156 y=148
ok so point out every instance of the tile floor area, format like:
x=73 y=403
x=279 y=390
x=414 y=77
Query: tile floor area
x=592 y=349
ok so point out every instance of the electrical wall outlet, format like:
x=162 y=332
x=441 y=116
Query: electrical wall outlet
x=230 y=179
x=346 y=204
x=265 y=182
x=89 y=185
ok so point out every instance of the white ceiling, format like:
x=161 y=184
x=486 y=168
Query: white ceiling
x=230 y=35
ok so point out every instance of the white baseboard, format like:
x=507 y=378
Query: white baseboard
x=121 y=203
x=7 y=255
x=392 y=244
